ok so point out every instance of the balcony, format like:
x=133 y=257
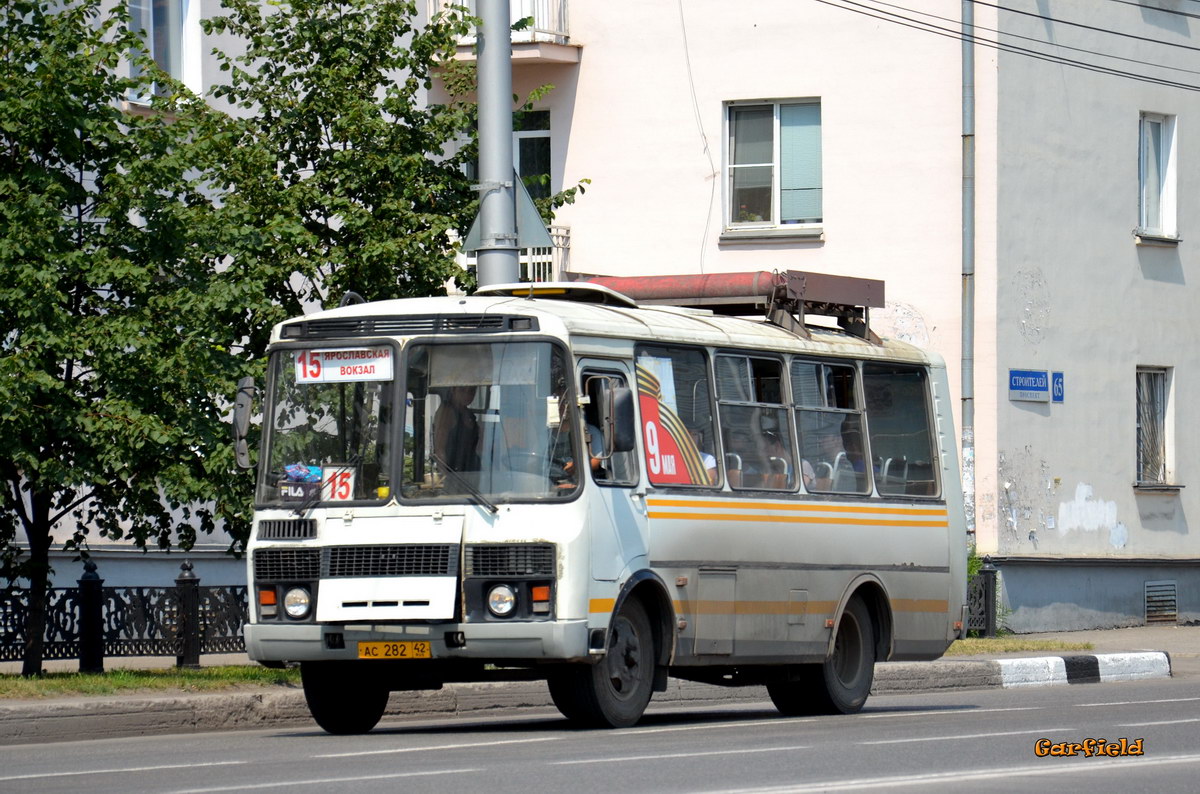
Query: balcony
x=539 y=264
x=546 y=41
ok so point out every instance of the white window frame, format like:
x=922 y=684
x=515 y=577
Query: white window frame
x=183 y=65
x=1154 y=427
x=1160 y=128
x=774 y=223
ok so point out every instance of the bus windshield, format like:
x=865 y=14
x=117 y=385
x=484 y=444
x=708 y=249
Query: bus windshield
x=329 y=427
x=488 y=422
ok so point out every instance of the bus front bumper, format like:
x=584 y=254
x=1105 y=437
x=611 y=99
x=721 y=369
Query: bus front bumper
x=559 y=640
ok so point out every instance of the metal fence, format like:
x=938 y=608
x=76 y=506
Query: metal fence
x=91 y=622
x=981 y=600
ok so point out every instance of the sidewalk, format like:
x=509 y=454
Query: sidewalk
x=1118 y=654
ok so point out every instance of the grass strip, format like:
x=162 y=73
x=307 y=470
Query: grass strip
x=122 y=681
x=984 y=646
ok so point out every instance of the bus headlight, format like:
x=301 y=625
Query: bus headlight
x=296 y=603
x=501 y=601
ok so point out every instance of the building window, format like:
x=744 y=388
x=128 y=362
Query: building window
x=531 y=151
x=1156 y=176
x=1153 y=388
x=773 y=164
x=171 y=37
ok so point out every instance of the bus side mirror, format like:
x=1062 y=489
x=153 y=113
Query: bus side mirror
x=620 y=419
x=243 y=403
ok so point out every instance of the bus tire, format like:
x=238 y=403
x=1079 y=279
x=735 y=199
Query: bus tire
x=343 y=698
x=614 y=692
x=841 y=683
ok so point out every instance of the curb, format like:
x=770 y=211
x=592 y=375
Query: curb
x=1090 y=669
x=73 y=719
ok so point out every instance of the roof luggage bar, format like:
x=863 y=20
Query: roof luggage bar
x=784 y=297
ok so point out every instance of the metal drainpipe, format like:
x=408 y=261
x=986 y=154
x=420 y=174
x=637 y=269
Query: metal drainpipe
x=498 y=257
x=968 y=264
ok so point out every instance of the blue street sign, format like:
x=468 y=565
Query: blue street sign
x=1030 y=385
x=1057 y=389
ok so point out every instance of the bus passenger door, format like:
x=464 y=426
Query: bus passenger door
x=616 y=521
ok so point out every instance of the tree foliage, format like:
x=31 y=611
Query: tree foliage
x=335 y=168
x=118 y=328
x=145 y=252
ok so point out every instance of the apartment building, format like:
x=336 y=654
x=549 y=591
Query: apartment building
x=828 y=136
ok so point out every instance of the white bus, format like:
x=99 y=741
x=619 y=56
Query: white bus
x=555 y=481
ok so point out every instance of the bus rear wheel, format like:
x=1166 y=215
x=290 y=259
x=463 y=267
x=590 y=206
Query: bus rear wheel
x=614 y=692
x=342 y=697
x=841 y=683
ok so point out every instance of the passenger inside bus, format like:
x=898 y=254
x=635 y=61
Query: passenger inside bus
x=456 y=431
x=706 y=457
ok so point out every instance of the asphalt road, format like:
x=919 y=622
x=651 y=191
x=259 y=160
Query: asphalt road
x=983 y=740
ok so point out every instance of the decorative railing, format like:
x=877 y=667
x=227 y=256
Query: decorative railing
x=539 y=264
x=549 y=19
x=981 y=600
x=91 y=622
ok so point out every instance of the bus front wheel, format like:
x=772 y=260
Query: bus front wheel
x=614 y=692
x=343 y=698
x=841 y=683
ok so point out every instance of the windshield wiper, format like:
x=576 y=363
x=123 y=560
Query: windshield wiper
x=471 y=490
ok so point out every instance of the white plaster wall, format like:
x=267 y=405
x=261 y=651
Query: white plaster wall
x=890 y=137
x=1076 y=294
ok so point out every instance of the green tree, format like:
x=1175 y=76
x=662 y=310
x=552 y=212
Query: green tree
x=337 y=173
x=120 y=331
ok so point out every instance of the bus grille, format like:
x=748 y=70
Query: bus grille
x=414 y=560
x=510 y=559
x=287 y=564
x=298 y=529
x=405 y=326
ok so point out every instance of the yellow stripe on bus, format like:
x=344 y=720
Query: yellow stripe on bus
x=812 y=608
x=602 y=605
x=869 y=522
x=696 y=607
x=806 y=508
x=920 y=605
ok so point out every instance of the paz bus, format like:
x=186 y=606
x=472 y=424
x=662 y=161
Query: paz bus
x=603 y=484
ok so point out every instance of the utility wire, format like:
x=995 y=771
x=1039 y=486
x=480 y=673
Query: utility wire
x=1156 y=8
x=1040 y=41
x=1085 y=27
x=928 y=27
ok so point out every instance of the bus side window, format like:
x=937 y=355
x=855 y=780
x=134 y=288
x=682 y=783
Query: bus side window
x=901 y=435
x=754 y=422
x=675 y=399
x=829 y=418
x=612 y=464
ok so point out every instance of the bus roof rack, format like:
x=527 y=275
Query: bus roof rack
x=784 y=297
x=583 y=292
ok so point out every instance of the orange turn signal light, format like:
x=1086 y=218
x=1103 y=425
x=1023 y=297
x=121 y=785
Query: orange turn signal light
x=540 y=593
x=266 y=598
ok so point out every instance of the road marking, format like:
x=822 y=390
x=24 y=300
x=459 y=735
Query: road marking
x=121 y=770
x=321 y=781
x=435 y=747
x=965 y=736
x=763 y=722
x=956 y=778
x=947 y=711
x=660 y=756
x=1160 y=722
x=1135 y=702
